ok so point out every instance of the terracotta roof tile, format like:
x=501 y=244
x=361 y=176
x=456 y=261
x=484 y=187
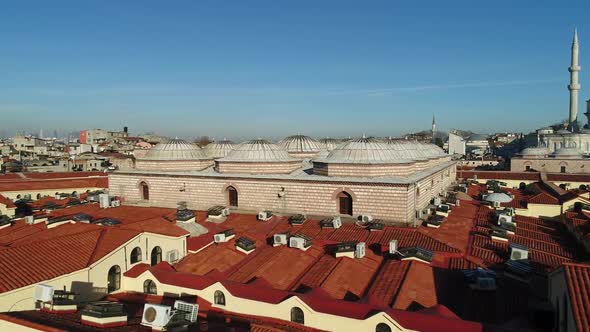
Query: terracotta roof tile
x=7 y=202
x=578 y=282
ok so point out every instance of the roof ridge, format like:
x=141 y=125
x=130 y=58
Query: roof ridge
x=50 y=239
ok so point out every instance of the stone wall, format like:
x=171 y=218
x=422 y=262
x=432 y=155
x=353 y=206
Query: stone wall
x=172 y=165
x=391 y=202
x=257 y=168
x=550 y=165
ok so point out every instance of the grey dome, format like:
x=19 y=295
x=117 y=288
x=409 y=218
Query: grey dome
x=364 y=151
x=329 y=143
x=537 y=152
x=258 y=150
x=498 y=198
x=568 y=153
x=175 y=149
x=219 y=149
x=563 y=131
x=300 y=144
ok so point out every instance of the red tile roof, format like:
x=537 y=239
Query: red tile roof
x=7 y=202
x=57 y=184
x=578 y=282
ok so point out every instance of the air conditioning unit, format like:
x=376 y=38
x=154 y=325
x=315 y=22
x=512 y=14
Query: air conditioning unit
x=280 y=239
x=172 y=256
x=104 y=201
x=188 y=311
x=43 y=293
x=359 y=251
x=337 y=222
x=116 y=203
x=29 y=220
x=496 y=204
x=225 y=212
x=219 y=238
x=419 y=214
x=156 y=316
x=437 y=201
x=518 y=252
x=504 y=218
x=366 y=218
x=297 y=242
x=264 y=215
x=392 y=247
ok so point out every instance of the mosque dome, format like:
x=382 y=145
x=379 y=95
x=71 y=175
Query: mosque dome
x=174 y=155
x=219 y=149
x=300 y=146
x=534 y=152
x=364 y=151
x=567 y=153
x=257 y=150
x=498 y=198
x=175 y=149
x=329 y=144
x=257 y=157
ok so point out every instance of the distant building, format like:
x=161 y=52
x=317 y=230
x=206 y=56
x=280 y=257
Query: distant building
x=456 y=144
x=97 y=136
x=564 y=160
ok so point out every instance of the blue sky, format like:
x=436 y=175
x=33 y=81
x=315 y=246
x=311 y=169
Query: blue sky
x=273 y=68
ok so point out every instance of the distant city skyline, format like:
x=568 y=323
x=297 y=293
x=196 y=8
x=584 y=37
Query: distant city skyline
x=266 y=69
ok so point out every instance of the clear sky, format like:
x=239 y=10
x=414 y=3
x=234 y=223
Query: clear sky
x=272 y=68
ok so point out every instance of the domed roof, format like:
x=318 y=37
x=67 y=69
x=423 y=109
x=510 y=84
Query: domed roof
x=563 y=131
x=567 y=152
x=364 y=151
x=258 y=150
x=300 y=144
x=329 y=143
x=175 y=149
x=219 y=149
x=539 y=151
x=498 y=198
x=415 y=150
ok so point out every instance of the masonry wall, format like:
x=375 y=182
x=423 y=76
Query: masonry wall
x=46 y=192
x=392 y=203
x=257 y=168
x=550 y=165
x=172 y=165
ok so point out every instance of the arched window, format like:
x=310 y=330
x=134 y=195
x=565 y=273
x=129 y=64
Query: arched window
x=219 y=298
x=297 y=315
x=145 y=191
x=149 y=287
x=114 y=279
x=18 y=196
x=232 y=196
x=38 y=196
x=74 y=193
x=156 y=256
x=522 y=186
x=382 y=327
x=136 y=255
x=345 y=203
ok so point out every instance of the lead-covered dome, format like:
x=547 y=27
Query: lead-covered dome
x=174 y=155
x=219 y=149
x=567 y=153
x=534 y=152
x=329 y=144
x=257 y=157
x=175 y=149
x=363 y=151
x=301 y=146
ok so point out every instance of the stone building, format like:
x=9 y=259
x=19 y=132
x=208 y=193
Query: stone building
x=387 y=180
x=563 y=160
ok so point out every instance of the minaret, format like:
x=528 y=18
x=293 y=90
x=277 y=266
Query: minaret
x=433 y=129
x=574 y=86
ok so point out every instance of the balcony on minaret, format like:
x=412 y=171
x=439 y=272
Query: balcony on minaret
x=574 y=86
x=574 y=68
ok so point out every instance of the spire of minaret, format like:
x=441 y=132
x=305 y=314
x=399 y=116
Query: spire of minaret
x=574 y=85
x=433 y=128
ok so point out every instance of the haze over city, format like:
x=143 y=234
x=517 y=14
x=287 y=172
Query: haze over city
x=241 y=69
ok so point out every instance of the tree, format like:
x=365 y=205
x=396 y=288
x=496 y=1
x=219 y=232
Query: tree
x=203 y=141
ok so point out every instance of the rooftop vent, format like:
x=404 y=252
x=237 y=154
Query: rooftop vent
x=104 y=314
x=298 y=219
x=245 y=245
x=5 y=221
x=376 y=225
x=499 y=234
x=218 y=211
x=185 y=215
x=82 y=217
x=417 y=253
x=106 y=222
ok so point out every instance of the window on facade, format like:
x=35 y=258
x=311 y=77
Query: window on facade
x=149 y=287
x=145 y=191
x=156 y=256
x=114 y=279
x=562 y=169
x=38 y=196
x=527 y=168
x=297 y=315
x=345 y=203
x=18 y=196
x=219 y=298
x=382 y=327
x=136 y=255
